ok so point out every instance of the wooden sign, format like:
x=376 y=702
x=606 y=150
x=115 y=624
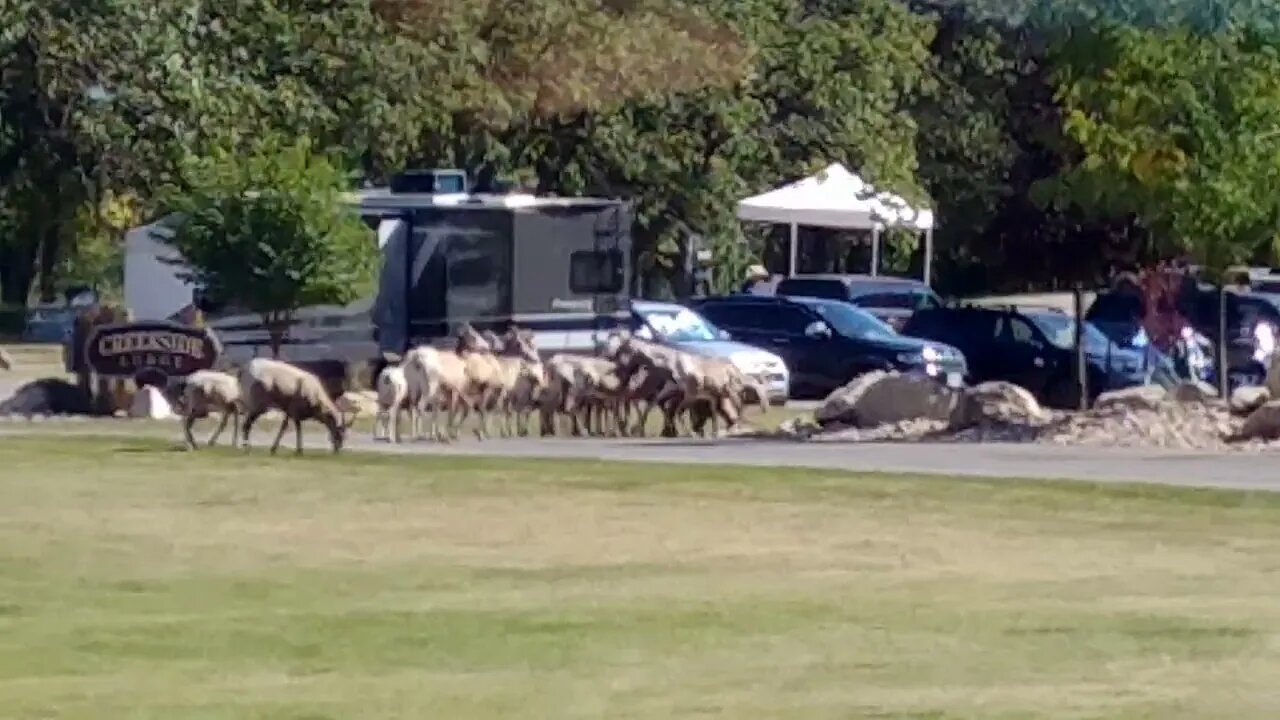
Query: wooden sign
x=150 y=349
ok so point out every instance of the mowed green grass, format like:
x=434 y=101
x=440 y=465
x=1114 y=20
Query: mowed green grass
x=139 y=582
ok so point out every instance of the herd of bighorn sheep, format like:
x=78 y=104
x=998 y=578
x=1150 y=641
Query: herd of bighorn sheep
x=610 y=393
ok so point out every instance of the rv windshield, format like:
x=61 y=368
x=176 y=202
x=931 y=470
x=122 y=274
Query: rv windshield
x=680 y=325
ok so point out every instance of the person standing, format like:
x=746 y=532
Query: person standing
x=756 y=280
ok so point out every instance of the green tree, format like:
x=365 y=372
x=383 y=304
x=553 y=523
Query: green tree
x=270 y=232
x=1179 y=129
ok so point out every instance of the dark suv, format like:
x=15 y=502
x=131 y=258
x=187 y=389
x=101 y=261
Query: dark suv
x=826 y=343
x=892 y=299
x=1034 y=349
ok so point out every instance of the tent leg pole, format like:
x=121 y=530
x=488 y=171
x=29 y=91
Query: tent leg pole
x=794 y=250
x=875 y=253
x=928 y=257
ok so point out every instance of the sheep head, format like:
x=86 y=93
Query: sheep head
x=521 y=346
x=470 y=341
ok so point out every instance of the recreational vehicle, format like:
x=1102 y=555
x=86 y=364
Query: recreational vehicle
x=556 y=266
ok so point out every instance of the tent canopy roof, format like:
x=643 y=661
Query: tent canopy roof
x=834 y=197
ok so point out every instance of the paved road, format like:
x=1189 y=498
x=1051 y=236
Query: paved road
x=1240 y=471
x=1243 y=471
x=1219 y=470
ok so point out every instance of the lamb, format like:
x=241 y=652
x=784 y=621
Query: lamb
x=393 y=396
x=271 y=384
x=203 y=392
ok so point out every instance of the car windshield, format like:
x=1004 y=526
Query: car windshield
x=849 y=321
x=681 y=325
x=1061 y=331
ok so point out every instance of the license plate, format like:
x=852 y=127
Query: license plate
x=955 y=380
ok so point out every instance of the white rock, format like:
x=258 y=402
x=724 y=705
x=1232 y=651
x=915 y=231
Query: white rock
x=997 y=402
x=1140 y=397
x=880 y=398
x=1247 y=398
x=149 y=403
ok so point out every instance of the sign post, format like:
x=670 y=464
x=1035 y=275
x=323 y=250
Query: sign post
x=150 y=352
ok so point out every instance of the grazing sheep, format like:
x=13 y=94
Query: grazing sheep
x=393 y=397
x=271 y=384
x=203 y=392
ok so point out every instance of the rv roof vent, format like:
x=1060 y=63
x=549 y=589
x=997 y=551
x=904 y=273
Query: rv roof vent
x=434 y=181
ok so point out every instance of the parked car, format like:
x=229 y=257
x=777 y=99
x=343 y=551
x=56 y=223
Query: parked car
x=1252 y=322
x=1033 y=349
x=681 y=327
x=891 y=299
x=827 y=343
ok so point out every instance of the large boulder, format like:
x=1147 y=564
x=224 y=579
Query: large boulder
x=1139 y=397
x=149 y=403
x=1247 y=398
x=1193 y=391
x=997 y=403
x=360 y=402
x=50 y=396
x=880 y=398
x=1262 y=424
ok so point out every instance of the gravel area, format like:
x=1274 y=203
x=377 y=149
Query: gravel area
x=1171 y=426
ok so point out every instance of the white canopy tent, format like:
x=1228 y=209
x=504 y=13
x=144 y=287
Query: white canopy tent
x=838 y=198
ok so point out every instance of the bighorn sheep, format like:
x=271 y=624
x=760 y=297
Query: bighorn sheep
x=483 y=375
x=524 y=379
x=203 y=392
x=439 y=378
x=393 y=396
x=271 y=384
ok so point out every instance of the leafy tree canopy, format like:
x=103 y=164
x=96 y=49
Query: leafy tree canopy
x=270 y=231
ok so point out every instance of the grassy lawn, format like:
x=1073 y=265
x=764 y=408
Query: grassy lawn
x=136 y=582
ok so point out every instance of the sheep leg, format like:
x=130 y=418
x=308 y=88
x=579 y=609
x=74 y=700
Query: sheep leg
x=235 y=425
x=187 y=422
x=245 y=429
x=275 y=446
x=395 y=425
x=642 y=422
x=217 y=433
x=297 y=426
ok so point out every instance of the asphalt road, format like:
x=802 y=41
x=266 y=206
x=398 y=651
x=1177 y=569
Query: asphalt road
x=1238 y=471
x=1235 y=470
x=1242 y=471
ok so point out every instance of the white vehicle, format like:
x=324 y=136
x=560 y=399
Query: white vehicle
x=680 y=327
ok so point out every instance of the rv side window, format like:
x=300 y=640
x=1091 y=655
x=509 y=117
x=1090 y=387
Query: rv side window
x=595 y=272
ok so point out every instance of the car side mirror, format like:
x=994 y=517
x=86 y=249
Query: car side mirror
x=817 y=329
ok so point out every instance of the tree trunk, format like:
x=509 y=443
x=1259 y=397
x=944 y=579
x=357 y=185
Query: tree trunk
x=17 y=272
x=50 y=249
